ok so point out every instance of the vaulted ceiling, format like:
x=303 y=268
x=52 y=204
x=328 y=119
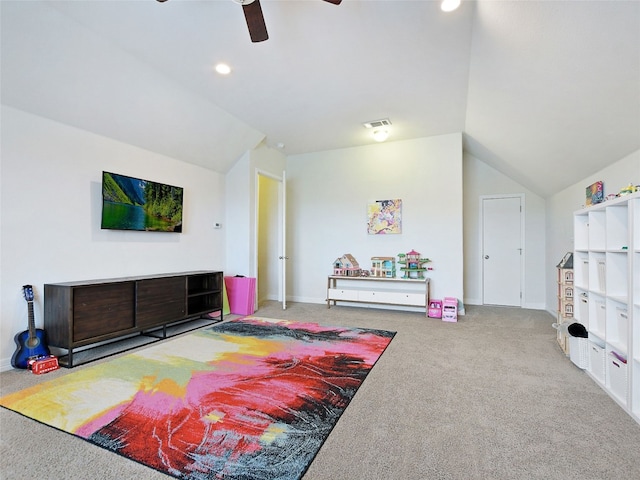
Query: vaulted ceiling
x=547 y=92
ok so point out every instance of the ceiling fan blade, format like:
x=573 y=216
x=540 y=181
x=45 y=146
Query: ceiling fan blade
x=255 y=21
x=335 y=2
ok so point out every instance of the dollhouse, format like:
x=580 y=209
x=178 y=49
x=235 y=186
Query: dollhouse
x=565 y=298
x=383 y=267
x=450 y=309
x=413 y=265
x=346 y=266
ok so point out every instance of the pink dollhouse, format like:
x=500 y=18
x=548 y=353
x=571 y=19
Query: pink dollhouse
x=435 y=308
x=450 y=309
x=346 y=266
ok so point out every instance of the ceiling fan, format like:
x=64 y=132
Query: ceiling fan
x=255 y=20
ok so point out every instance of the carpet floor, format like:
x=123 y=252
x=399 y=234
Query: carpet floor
x=490 y=397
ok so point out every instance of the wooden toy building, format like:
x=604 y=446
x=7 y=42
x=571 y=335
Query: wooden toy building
x=346 y=266
x=383 y=267
x=413 y=265
x=565 y=298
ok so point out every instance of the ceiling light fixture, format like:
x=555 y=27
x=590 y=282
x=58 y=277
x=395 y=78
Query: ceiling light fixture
x=380 y=135
x=380 y=129
x=223 y=69
x=449 y=5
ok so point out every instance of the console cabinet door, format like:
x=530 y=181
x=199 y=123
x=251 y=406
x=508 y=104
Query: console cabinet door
x=160 y=300
x=102 y=310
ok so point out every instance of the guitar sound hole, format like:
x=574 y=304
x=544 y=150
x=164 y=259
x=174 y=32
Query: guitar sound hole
x=33 y=342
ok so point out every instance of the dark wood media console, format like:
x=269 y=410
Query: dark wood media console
x=78 y=315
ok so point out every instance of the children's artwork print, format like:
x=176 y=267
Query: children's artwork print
x=385 y=217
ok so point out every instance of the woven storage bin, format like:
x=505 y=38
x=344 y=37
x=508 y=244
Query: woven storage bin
x=597 y=362
x=579 y=351
x=583 y=309
x=617 y=377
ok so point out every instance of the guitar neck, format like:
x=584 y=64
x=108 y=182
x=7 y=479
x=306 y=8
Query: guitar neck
x=32 y=321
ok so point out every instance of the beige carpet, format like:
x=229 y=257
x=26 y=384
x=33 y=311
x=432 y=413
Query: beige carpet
x=489 y=397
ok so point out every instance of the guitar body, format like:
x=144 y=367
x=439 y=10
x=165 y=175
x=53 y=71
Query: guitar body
x=29 y=347
x=31 y=343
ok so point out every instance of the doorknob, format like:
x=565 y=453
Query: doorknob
x=486 y=257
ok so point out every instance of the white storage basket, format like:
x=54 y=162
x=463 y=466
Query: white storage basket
x=602 y=274
x=617 y=377
x=579 y=351
x=597 y=362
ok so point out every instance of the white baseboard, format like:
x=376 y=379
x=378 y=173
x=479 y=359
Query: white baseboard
x=535 y=306
x=5 y=365
x=362 y=305
x=473 y=301
x=531 y=306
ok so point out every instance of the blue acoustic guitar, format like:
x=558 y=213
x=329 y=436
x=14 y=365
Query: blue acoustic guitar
x=31 y=343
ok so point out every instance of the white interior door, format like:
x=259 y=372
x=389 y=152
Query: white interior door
x=502 y=251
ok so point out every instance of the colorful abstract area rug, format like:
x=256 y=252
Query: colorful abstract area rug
x=253 y=398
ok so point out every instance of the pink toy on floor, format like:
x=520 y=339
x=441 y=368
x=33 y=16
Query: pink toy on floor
x=450 y=309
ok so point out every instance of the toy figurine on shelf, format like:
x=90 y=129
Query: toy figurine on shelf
x=412 y=264
x=628 y=190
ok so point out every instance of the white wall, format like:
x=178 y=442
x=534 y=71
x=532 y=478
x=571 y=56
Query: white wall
x=328 y=193
x=560 y=208
x=241 y=207
x=51 y=204
x=481 y=179
x=237 y=224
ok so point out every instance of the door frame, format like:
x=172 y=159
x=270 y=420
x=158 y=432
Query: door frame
x=523 y=210
x=279 y=229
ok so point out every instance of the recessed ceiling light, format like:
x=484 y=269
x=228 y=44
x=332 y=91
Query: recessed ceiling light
x=449 y=5
x=223 y=69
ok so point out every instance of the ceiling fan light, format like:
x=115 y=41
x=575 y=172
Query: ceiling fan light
x=380 y=135
x=449 y=5
x=223 y=69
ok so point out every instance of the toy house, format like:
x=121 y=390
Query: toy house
x=435 y=309
x=384 y=267
x=413 y=265
x=450 y=309
x=565 y=299
x=346 y=266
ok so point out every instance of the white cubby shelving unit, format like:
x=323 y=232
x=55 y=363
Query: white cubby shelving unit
x=606 y=261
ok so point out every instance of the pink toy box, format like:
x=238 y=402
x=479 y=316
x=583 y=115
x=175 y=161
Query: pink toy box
x=450 y=309
x=242 y=294
x=435 y=309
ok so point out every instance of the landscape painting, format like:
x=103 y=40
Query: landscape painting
x=134 y=204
